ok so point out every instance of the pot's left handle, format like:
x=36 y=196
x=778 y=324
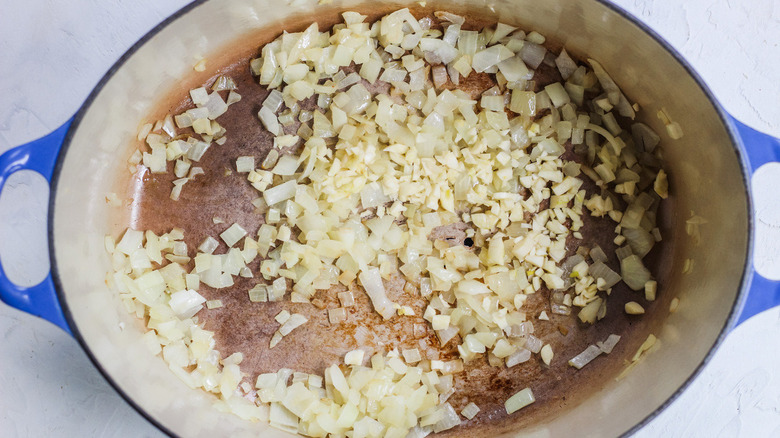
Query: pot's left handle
x=39 y=156
x=760 y=149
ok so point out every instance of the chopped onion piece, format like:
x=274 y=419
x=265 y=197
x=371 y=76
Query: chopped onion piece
x=186 y=303
x=346 y=299
x=602 y=271
x=501 y=31
x=294 y=321
x=547 y=354
x=337 y=316
x=270 y=121
x=470 y=411
x=644 y=137
x=624 y=251
x=199 y=96
x=520 y=400
x=514 y=69
x=446 y=335
x=209 y=245
x=131 y=241
x=372 y=196
x=566 y=66
x=286 y=165
x=233 y=234
x=609 y=344
x=258 y=294
x=245 y=164
x=533 y=343
x=489 y=57
x=558 y=94
x=449 y=16
x=371 y=281
x=585 y=357
x=411 y=356
x=215 y=105
x=533 y=54
x=437 y=51
x=598 y=255
x=214 y=304
x=640 y=241
x=280 y=193
x=634 y=273
x=439 y=73
x=449 y=420
x=589 y=313
x=354 y=357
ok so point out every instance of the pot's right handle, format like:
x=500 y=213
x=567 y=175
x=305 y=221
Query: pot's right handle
x=760 y=149
x=39 y=156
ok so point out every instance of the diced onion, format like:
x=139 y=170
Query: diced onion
x=372 y=196
x=199 y=96
x=286 y=165
x=634 y=273
x=585 y=357
x=533 y=54
x=412 y=355
x=533 y=343
x=489 y=57
x=214 y=304
x=270 y=121
x=280 y=193
x=602 y=271
x=449 y=420
x=589 y=313
x=233 y=234
x=186 y=303
x=437 y=51
x=520 y=400
x=439 y=73
x=566 y=66
x=598 y=255
x=470 y=411
x=371 y=281
x=245 y=164
x=514 y=69
x=644 y=137
x=641 y=241
x=209 y=245
x=473 y=205
x=296 y=320
x=215 y=105
x=449 y=16
x=354 y=357
x=609 y=344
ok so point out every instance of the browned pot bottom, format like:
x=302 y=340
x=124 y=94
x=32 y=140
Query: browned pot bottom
x=246 y=327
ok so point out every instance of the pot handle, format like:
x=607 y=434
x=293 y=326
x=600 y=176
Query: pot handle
x=40 y=156
x=759 y=149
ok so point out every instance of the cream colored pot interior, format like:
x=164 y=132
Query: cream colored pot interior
x=705 y=177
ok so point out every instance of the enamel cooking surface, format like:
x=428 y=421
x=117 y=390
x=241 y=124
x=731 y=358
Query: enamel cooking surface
x=704 y=169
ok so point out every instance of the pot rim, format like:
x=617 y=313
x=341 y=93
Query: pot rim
x=736 y=140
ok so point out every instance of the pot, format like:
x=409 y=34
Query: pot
x=709 y=170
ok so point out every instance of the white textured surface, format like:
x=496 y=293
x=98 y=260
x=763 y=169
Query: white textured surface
x=53 y=54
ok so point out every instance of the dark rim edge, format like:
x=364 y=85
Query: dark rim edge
x=735 y=138
x=52 y=196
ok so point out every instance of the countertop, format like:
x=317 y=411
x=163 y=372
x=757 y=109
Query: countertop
x=53 y=54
